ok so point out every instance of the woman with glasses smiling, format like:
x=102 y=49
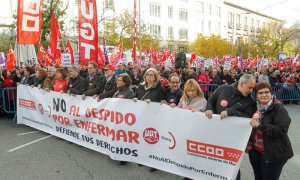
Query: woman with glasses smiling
x=269 y=146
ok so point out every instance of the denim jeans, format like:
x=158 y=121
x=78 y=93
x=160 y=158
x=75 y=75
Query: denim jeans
x=263 y=169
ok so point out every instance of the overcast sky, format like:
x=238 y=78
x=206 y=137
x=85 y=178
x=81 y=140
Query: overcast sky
x=283 y=9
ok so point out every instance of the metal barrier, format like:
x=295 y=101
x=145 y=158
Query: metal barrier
x=208 y=89
x=287 y=91
x=9 y=101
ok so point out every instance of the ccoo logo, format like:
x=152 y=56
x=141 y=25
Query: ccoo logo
x=151 y=135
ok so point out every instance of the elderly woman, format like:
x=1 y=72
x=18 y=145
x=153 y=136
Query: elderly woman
x=123 y=85
x=151 y=89
x=269 y=146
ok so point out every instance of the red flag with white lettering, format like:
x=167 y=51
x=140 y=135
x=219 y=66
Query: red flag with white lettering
x=55 y=38
x=29 y=21
x=88 y=32
x=44 y=55
x=116 y=55
x=69 y=50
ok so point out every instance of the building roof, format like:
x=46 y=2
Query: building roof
x=251 y=11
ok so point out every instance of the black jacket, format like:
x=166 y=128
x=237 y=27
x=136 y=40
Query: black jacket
x=275 y=122
x=136 y=80
x=173 y=97
x=76 y=86
x=226 y=79
x=96 y=85
x=125 y=93
x=110 y=88
x=39 y=82
x=155 y=93
x=28 y=80
x=228 y=97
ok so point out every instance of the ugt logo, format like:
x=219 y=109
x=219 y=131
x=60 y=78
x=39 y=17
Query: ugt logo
x=151 y=135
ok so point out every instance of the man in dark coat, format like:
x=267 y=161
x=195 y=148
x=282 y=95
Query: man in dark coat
x=233 y=100
x=95 y=81
x=110 y=86
x=76 y=84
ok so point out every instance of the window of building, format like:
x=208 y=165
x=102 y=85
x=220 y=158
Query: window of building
x=183 y=33
x=230 y=19
x=154 y=10
x=252 y=22
x=209 y=27
x=257 y=24
x=217 y=28
x=170 y=12
x=210 y=9
x=201 y=25
x=199 y=8
x=109 y=4
x=170 y=33
x=264 y=24
x=183 y=15
x=246 y=21
x=218 y=11
x=238 y=19
x=155 y=30
x=184 y=1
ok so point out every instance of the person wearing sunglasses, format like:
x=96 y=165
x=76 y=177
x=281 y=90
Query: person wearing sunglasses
x=269 y=146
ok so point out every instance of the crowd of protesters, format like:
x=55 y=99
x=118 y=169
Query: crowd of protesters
x=183 y=88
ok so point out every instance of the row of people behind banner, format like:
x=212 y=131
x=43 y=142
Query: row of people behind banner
x=269 y=146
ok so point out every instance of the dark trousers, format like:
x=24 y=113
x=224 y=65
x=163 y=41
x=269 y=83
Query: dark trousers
x=265 y=170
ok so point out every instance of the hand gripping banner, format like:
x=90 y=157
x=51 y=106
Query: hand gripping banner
x=171 y=139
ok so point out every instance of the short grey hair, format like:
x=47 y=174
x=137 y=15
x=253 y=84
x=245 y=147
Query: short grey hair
x=52 y=69
x=74 y=68
x=245 y=78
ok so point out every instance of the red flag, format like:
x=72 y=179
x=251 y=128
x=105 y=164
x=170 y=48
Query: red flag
x=253 y=62
x=154 y=56
x=101 y=58
x=116 y=55
x=29 y=21
x=10 y=59
x=133 y=55
x=44 y=55
x=88 y=32
x=55 y=38
x=69 y=50
x=192 y=59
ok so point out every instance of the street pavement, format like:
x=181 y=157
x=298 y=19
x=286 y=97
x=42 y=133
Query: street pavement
x=53 y=158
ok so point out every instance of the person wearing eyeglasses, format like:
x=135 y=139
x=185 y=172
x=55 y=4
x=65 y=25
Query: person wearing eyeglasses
x=233 y=100
x=173 y=93
x=269 y=146
x=95 y=80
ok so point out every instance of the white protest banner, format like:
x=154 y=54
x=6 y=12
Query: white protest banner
x=227 y=65
x=146 y=61
x=208 y=63
x=123 y=61
x=76 y=58
x=171 y=139
x=2 y=59
x=168 y=63
x=66 y=59
x=198 y=62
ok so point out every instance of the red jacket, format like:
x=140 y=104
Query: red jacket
x=60 y=85
x=203 y=79
x=7 y=83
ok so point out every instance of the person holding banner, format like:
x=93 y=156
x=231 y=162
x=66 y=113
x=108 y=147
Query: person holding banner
x=173 y=92
x=40 y=77
x=110 y=86
x=28 y=77
x=193 y=97
x=76 y=84
x=95 y=81
x=233 y=100
x=61 y=81
x=269 y=146
x=151 y=89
